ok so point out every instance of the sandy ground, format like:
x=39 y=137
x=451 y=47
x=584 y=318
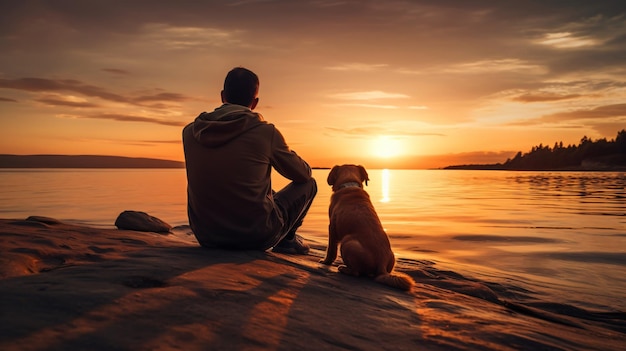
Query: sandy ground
x=67 y=287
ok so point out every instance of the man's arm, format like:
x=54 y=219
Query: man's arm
x=287 y=162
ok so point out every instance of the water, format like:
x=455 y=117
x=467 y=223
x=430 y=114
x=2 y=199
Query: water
x=560 y=236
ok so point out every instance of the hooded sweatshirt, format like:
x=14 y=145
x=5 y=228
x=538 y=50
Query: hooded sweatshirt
x=229 y=154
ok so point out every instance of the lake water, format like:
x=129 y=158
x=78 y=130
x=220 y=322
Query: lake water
x=558 y=236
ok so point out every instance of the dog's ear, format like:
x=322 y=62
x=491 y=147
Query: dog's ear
x=332 y=176
x=364 y=176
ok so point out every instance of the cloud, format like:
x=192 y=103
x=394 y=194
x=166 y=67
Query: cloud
x=386 y=107
x=247 y=2
x=593 y=43
x=607 y=111
x=601 y=115
x=545 y=97
x=172 y=97
x=368 y=95
x=124 y=141
x=358 y=67
x=175 y=141
x=377 y=130
x=574 y=88
x=187 y=37
x=75 y=86
x=496 y=66
x=55 y=101
x=116 y=71
x=3 y=99
x=132 y=118
x=360 y=131
x=128 y=118
x=50 y=85
x=595 y=30
x=567 y=40
x=609 y=129
x=482 y=67
x=146 y=142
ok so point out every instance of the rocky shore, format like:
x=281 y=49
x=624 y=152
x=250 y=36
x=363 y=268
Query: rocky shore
x=70 y=287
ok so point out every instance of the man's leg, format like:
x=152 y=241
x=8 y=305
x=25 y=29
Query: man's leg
x=294 y=202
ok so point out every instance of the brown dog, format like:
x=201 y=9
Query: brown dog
x=354 y=224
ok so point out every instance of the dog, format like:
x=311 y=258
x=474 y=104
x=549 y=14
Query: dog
x=355 y=227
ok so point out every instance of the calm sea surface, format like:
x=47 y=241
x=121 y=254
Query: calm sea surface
x=562 y=234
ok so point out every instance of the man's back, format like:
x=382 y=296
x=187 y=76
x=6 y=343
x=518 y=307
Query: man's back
x=229 y=154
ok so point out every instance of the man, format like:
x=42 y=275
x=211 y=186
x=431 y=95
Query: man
x=229 y=154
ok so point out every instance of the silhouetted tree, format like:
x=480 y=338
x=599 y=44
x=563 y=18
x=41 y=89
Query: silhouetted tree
x=543 y=157
x=620 y=142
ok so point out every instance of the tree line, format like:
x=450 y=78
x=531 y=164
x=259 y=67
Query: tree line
x=601 y=154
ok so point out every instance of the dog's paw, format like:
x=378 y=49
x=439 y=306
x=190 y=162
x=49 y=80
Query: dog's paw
x=348 y=271
x=326 y=262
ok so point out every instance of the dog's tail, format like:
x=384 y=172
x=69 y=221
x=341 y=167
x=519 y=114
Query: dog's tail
x=396 y=280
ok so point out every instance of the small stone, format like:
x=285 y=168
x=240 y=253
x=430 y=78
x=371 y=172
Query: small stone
x=141 y=221
x=42 y=219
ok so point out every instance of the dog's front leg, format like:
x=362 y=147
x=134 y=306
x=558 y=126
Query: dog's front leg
x=331 y=251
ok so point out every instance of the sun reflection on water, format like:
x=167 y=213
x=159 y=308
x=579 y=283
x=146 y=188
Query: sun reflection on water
x=386 y=175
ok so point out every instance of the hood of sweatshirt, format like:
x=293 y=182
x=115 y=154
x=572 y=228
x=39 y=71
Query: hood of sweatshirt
x=225 y=123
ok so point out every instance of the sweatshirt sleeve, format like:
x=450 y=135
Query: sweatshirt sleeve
x=287 y=162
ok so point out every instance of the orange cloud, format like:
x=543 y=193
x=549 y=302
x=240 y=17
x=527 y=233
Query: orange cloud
x=544 y=97
x=375 y=131
x=368 y=95
x=129 y=118
x=75 y=86
x=54 y=101
x=116 y=71
x=617 y=110
x=68 y=85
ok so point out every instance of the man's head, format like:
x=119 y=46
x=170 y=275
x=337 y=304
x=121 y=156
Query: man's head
x=241 y=87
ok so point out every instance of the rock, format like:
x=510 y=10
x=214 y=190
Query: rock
x=37 y=222
x=42 y=219
x=141 y=221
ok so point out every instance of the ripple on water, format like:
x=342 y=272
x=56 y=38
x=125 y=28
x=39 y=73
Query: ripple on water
x=614 y=258
x=506 y=239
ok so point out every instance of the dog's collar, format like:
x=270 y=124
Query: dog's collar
x=349 y=185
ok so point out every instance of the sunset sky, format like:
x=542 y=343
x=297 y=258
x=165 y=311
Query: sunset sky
x=383 y=83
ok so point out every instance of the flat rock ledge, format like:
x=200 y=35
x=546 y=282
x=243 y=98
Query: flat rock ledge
x=72 y=287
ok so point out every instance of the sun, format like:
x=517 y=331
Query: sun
x=386 y=146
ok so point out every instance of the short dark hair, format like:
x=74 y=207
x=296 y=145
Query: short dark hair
x=241 y=86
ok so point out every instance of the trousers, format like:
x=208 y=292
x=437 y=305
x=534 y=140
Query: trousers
x=293 y=201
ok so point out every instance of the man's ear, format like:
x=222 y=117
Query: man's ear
x=222 y=95
x=254 y=103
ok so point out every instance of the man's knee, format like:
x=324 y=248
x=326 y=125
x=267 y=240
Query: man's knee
x=296 y=192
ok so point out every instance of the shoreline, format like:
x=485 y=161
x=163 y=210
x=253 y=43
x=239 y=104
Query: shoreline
x=68 y=286
x=568 y=169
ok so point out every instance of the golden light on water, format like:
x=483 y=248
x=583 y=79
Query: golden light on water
x=386 y=175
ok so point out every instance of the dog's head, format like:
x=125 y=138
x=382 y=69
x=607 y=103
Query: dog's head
x=344 y=174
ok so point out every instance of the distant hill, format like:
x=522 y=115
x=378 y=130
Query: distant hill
x=83 y=161
x=589 y=155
